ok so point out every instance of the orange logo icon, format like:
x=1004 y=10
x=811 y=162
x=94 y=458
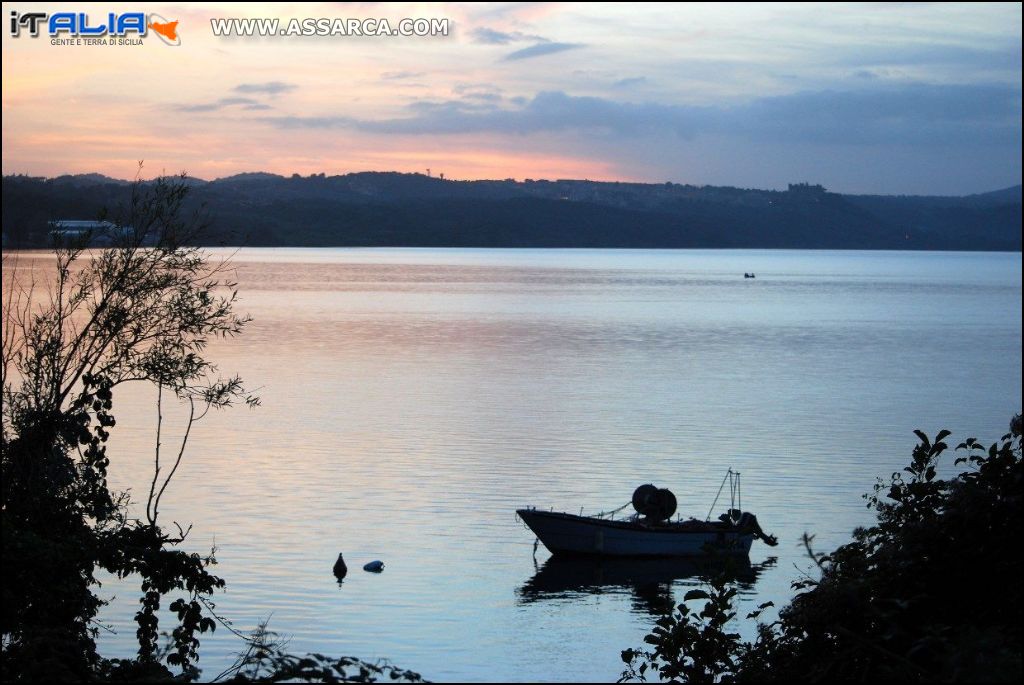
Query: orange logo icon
x=167 y=31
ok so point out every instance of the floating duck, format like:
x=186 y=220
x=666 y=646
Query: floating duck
x=340 y=569
x=374 y=566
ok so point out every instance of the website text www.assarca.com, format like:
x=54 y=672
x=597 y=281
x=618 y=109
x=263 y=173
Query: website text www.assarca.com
x=327 y=26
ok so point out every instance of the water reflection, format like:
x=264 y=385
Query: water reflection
x=414 y=399
x=649 y=582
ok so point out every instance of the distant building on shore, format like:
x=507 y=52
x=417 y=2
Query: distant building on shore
x=807 y=191
x=88 y=233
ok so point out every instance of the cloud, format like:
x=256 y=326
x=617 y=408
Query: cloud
x=202 y=107
x=267 y=87
x=541 y=49
x=438 y=109
x=547 y=111
x=914 y=114
x=628 y=82
x=866 y=74
x=237 y=101
x=483 y=96
x=542 y=46
x=247 y=103
x=999 y=57
x=401 y=75
x=892 y=115
x=489 y=36
x=467 y=88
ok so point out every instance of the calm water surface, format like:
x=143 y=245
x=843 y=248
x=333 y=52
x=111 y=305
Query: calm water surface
x=412 y=399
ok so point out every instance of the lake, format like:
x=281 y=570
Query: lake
x=414 y=398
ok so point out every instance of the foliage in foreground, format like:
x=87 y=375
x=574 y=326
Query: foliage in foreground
x=930 y=593
x=141 y=311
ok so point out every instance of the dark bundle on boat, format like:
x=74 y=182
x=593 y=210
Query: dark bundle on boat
x=656 y=504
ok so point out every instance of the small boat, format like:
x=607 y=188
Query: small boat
x=650 y=532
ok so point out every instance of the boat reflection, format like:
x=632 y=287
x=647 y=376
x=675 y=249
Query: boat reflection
x=649 y=581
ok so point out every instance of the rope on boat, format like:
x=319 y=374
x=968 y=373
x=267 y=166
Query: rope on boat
x=735 y=495
x=602 y=514
x=739 y=493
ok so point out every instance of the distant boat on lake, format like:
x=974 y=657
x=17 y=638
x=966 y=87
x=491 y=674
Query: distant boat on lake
x=648 y=533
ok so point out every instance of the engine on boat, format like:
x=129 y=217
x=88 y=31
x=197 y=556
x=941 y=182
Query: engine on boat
x=656 y=504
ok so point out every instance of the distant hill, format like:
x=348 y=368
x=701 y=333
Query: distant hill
x=85 y=180
x=396 y=209
x=1004 y=196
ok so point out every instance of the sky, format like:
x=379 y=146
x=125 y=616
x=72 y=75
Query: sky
x=863 y=98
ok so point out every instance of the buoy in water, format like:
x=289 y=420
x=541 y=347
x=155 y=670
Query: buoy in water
x=340 y=569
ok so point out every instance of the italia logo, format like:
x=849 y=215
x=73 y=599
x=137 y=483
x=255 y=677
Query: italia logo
x=81 y=25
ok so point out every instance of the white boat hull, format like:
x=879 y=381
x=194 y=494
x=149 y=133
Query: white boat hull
x=569 y=534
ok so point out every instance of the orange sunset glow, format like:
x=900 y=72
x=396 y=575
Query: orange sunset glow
x=686 y=93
